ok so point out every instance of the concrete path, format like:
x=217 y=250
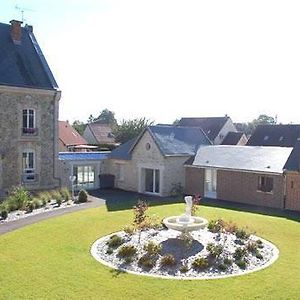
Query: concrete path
x=13 y=225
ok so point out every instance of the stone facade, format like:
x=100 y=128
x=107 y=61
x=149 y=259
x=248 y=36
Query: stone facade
x=170 y=167
x=292 y=191
x=43 y=143
x=238 y=186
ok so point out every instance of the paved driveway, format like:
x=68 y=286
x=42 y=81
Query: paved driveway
x=10 y=226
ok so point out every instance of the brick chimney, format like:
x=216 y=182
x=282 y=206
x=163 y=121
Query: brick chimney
x=16 y=31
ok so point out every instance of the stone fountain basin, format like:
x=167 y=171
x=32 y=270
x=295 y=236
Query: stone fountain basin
x=195 y=223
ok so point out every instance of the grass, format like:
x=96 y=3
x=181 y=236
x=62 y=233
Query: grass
x=51 y=260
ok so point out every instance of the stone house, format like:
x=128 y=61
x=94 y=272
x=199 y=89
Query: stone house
x=154 y=162
x=216 y=128
x=29 y=103
x=263 y=176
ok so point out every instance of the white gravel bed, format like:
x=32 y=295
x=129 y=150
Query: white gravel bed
x=184 y=255
x=21 y=214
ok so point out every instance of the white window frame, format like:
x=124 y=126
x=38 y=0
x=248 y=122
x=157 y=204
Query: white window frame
x=29 y=172
x=27 y=110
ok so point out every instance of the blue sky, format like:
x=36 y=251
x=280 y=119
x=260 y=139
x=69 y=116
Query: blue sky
x=166 y=59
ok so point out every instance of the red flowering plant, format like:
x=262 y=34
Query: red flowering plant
x=196 y=203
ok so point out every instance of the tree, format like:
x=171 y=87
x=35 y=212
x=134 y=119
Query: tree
x=129 y=129
x=106 y=117
x=91 y=119
x=176 y=122
x=264 y=120
x=79 y=126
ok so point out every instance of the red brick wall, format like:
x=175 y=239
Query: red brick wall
x=194 y=181
x=237 y=187
x=293 y=191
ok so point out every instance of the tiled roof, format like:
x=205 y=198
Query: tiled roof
x=275 y=135
x=102 y=133
x=251 y=158
x=123 y=151
x=82 y=156
x=68 y=135
x=210 y=125
x=23 y=65
x=232 y=138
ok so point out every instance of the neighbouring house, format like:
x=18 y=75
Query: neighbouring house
x=264 y=176
x=71 y=140
x=85 y=166
x=235 y=138
x=29 y=102
x=216 y=128
x=99 y=134
x=154 y=162
x=275 y=135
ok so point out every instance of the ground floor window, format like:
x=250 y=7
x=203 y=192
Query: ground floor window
x=152 y=181
x=28 y=165
x=265 y=184
x=85 y=177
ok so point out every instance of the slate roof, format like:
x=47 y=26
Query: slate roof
x=102 y=133
x=293 y=163
x=68 y=135
x=210 y=125
x=275 y=135
x=242 y=158
x=23 y=65
x=171 y=141
x=82 y=156
x=232 y=138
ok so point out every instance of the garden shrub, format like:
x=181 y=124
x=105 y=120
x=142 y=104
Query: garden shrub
x=109 y=251
x=230 y=227
x=65 y=193
x=152 y=248
x=82 y=196
x=258 y=255
x=29 y=207
x=227 y=261
x=242 y=263
x=251 y=247
x=127 y=251
x=215 y=226
x=58 y=202
x=36 y=202
x=3 y=214
x=200 y=263
x=259 y=244
x=129 y=229
x=222 y=267
x=147 y=261
x=214 y=249
x=184 y=269
x=240 y=253
x=56 y=195
x=19 y=196
x=45 y=197
x=115 y=241
x=242 y=234
x=167 y=260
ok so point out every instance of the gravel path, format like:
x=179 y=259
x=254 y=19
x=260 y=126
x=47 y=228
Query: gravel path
x=10 y=226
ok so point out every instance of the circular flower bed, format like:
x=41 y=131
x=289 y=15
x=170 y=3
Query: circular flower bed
x=205 y=254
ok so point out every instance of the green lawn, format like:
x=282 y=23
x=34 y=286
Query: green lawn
x=51 y=260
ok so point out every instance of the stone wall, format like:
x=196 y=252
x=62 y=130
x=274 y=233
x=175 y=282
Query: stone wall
x=13 y=142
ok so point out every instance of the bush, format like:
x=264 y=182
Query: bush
x=167 y=260
x=259 y=244
x=184 y=269
x=242 y=263
x=129 y=229
x=222 y=267
x=227 y=261
x=19 y=196
x=214 y=250
x=4 y=214
x=115 y=241
x=147 y=261
x=36 y=202
x=251 y=247
x=215 y=226
x=152 y=248
x=65 y=193
x=240 y=253
x=109 y=251
x=230 y=227
x=200 y=263
x=82 y=196
x=127 y=251
x=56 y=195
x=29 y=207
x=242 y=234
x=45 y=197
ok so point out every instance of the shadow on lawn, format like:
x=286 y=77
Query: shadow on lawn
x=121 y=200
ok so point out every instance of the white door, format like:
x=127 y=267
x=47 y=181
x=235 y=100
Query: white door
x=210 y=185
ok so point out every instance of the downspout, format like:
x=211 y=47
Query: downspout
x=284 y=189
x=56 y=99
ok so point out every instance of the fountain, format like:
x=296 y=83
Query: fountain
x=186 y=222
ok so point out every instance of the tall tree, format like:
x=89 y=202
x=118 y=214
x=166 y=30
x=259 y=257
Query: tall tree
x=129 y=129
x=79 y=126
x=264 y=120
x=106 y=117
x=91 y=119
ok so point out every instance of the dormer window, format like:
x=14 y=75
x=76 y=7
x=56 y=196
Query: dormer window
x=28 y=121
x=266 y=138
x=281 y=138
